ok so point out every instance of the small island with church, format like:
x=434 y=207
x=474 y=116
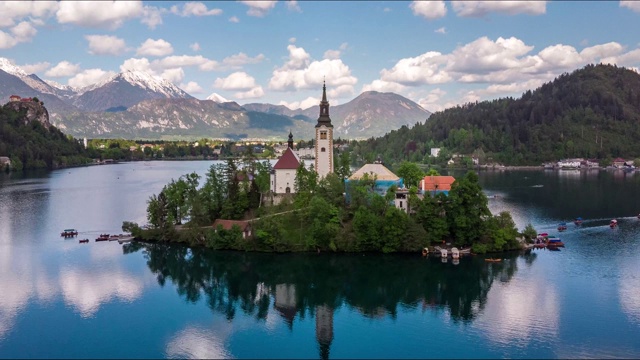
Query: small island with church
x=252 y=205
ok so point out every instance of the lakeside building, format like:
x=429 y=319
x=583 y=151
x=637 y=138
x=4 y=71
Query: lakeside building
x=244 y=226
x=384 y=178
x=436 y=184
x=283 y=175
x=324 y=139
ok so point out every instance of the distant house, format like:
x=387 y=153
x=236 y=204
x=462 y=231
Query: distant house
x=619 y=162
x=283 y=175
x=589 y=163
x=14 y=98
x=384 y=178
x=244 y=226
x=435 y=152
x=133 y=148
x=26 y=99
x=308 y=153
x=436 y=184
x=569 y=163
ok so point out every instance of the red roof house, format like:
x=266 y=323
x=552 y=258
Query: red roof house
x=436 y=183
x=14 y=98
x=244 y=226
x=288 y=161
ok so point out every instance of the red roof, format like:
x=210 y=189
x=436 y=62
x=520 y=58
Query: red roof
x=228 y=224
x=288 y=160
x=441 y=183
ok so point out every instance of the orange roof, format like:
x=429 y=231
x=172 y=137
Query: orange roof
x=441 y=183
x=228 y=224
x=288 y=160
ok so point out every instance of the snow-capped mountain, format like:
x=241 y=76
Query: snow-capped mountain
x=217 y=98
x=127 y=89
x=8 y=67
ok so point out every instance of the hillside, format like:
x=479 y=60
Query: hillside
x=594 y=112
x=30 y=142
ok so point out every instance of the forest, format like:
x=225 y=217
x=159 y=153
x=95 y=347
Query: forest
x=593 y=113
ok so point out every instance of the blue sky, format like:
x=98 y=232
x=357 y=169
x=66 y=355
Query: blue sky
x=436 y=53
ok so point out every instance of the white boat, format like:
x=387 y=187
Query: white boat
x=443 y=253
x=455 y=253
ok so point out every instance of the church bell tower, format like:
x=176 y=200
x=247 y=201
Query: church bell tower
x=324 y=138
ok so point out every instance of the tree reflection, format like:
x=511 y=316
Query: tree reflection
x=315 y=285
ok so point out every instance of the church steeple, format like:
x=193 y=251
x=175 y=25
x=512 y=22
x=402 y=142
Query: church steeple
x=324 y=118
x=290 y=141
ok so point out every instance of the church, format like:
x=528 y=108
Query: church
x=284 y=171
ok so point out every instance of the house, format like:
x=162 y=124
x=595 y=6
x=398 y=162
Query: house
x=283 y=175
x=384 y=178
x=436 y=184
x=308 y=153
x=402 y=199
x=589 y=163
x=26 y=99
x=14 y=98
x=4 y=161
x=244 y=226
x=435 y=152
x=619 y=162
x=133 y=148
x=570 y=163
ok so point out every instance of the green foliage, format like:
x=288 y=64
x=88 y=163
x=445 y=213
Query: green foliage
x=529 y=232
x=411 y=173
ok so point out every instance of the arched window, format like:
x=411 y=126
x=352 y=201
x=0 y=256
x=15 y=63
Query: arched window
x=322 y=150
x=288 y=190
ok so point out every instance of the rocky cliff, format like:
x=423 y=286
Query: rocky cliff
x=33 y=111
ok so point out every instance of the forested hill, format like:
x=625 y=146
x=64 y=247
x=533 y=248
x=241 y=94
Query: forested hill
x=31 y=144
x=594 y=112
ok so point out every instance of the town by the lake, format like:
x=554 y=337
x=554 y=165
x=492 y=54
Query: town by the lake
x=389 y=180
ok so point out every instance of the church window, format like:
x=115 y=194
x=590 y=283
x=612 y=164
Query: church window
x=322 y=150
x=323 y=135
x=288 y=190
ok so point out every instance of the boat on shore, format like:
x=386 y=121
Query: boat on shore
x=553 y=242
x=69 y=233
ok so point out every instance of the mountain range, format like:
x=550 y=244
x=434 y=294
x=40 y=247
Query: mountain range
x=136 y=105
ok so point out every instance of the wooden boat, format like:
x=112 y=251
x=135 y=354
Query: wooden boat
x=613 y=223
x=82 y=241
x=553 y=241
x=578 y=221
x=492 y=260
x=103 y=237
x=69 y=233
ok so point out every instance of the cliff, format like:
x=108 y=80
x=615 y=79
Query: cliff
x=33 y=110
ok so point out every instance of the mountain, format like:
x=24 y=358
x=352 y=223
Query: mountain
x=594 y=112
x=127 y=89
x=14 y=85
x=217 y=98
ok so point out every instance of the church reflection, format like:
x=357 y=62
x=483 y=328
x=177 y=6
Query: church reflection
x=301 y=286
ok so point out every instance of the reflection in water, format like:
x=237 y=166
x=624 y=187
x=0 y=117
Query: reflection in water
x=196 y=343
x=630 y=291
x=302 y=284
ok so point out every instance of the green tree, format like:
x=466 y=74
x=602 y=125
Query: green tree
x=411 y=173
x=467 y=209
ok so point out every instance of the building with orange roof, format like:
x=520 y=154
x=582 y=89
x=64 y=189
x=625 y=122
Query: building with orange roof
x=435 y=184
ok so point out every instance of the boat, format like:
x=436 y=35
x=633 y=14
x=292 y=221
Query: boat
x=443 y=253
x=455 y=253
x=562 y=226
x=613 y=224
x=553 y=241
x=103 y=237
x=125 y=239
x=425 y=252
x=69 y=233
x=578 y=221
x=492 y=260
x=83 y=241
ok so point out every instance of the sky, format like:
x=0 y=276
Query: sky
x=436 y=53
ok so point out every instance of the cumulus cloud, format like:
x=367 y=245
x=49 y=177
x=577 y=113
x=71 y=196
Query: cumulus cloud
x=174 y=75
x=192 y=87
x=304 y=104
x=292 y=40
x=432 y=102
x=35 y=68
x=152 y=16
x=601 y=51
x=101 y=14
x=633 y=5
x=422 y=69
x=195 y=46
x=13 y=10
x=299 y=72
x=335 y=54
x=429 y=9
x=240 y=59
x=134 y=64
x=23 y=32
x=152 y=47
x=175 y=61
x=194 y=9
x=63 y=69
x=259 y=8
x=482 y=8
x=254 y=93
x=236 y=81
x=90 y=77
x=234 y=19
x=105 y=45
x=383 y=86
x=441 y=30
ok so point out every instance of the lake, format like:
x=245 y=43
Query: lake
x=62 y=299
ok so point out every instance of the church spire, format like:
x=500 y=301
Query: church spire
x=290 y=141
x=324 y=118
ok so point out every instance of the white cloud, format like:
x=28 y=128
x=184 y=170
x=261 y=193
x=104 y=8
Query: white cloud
x=105 y=45
x=192 y=87
x=90 y=77
x=134 y=64
x=630 y=59
x=194 y=9
x=14 y=10
x=429 y=9
x=236 y=81
x=293 y=6
x=254 y=93
x=484 y=55
x=633 y=5
x=433 y=99
x=331 y=54
x=6 y=41
x=441 y=30
x=292 y=40
x=152 y=16
x=175 y=61
x=422 y=69
x=195 y=46
x=299 y=72
x=35 y=68
x=601 y=51
x=175 y=75
x=152 y=47
x=234 y=19
x=63 y=69
x=241 y=58
x=304 y=104
x=24 y=31
x=482 y=8
x=383 y=86
x=259 y=8
x=101 y=14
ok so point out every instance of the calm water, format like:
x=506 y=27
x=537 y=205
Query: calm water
x=59 y=298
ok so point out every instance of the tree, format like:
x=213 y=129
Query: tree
x=411 y=173
x=467 y=209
